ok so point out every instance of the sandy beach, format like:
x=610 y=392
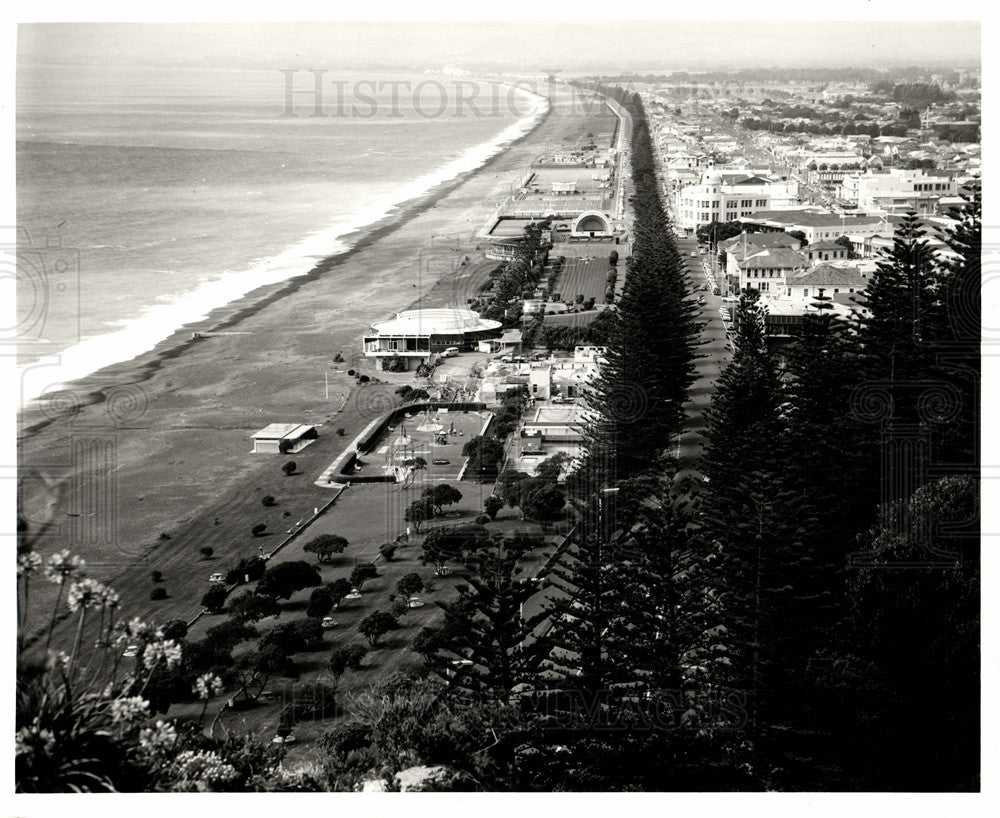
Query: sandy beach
x=160 y=445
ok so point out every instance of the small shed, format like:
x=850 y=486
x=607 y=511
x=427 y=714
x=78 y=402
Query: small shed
x=281 y=438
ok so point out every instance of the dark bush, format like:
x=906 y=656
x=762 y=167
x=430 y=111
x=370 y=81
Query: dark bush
x=158 y=594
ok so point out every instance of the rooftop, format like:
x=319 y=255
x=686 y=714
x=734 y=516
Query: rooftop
x=830 y=274
x=773 y=257
x=810 y=219
x=435 y=321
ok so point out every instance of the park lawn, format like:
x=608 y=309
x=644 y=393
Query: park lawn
x=356 y=516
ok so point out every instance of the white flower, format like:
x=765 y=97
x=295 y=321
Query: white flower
x=31 y=738
x=85 y=592
x=129 y=709
x=133 y=630
x=58 y=659
x=207 y=685
x=203 y=770
x=28 y=562
x=61 y=565
x=161 y=737
x=166 y=649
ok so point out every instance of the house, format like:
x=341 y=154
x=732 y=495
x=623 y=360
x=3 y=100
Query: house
x=825 y=250
x=282 y=438
x=765 y=270
x=829 y=280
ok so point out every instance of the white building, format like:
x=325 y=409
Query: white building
x=897 y=191
x=413 y=336
x=727 y=196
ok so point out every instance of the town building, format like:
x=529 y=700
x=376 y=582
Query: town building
x=897 y=191
x=413 y=336
x=818 y=225
x=726 y=196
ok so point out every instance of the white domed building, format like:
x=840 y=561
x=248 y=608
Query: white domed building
x=414 y=336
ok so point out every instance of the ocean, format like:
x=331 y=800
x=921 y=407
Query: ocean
x=149 y=196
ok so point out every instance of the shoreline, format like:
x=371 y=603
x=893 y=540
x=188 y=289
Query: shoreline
x=152 y=459
x=89 y=390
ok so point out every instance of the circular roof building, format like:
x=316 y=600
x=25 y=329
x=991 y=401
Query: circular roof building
x=592 y=223
x=438 y=321
x=412 y=336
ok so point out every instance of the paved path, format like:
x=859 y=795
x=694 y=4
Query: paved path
x=711 y=356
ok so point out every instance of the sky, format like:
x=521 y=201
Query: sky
x=602 y=46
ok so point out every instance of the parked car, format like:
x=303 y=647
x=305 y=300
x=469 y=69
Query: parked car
x=330 y=622
x=415 y=602
x=450 y=352
x=217 y=577
x=130 y=652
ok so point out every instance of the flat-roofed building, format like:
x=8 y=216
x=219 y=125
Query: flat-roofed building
x=897 y=191
x=281 y=438
x=726 y=196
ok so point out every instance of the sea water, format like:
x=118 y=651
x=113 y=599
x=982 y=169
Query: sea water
x=149 y=196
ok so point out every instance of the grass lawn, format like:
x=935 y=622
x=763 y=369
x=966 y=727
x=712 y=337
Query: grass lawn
x=367 y=515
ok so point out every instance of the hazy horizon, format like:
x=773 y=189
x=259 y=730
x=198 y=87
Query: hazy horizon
x=598 y=47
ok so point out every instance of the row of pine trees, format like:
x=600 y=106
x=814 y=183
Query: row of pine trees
x=803 y=613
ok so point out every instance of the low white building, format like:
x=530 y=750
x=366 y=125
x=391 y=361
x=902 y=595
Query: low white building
x=897 y=191
x=413 y=336
x=283 y=438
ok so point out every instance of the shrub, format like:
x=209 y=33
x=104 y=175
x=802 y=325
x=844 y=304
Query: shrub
x=164 y=535
x=289 y=468
x=410 y=584
x=251 y=606
x=341 y=431
x=483 y=519
x=267 y=501
x=252 y=567
x=320 y=602
x=285 y=578
x=387 y=551
x=325 y=546
x=206 y=552
x=258 y=529
x=376 y=625
x=399 y=607
x=347 y=656
x=158 y=594
x=214 y=599
x=156 y=576
x=492 y=505
x=175 y=629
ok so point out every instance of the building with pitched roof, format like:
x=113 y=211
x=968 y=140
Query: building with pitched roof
x=818 y=225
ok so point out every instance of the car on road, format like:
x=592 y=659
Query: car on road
x=694 y=254
x=130 y=652
x=440 y=461
x=330 y=622
x=354 y=594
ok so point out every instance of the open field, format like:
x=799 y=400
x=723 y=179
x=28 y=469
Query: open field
x=583 y=276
